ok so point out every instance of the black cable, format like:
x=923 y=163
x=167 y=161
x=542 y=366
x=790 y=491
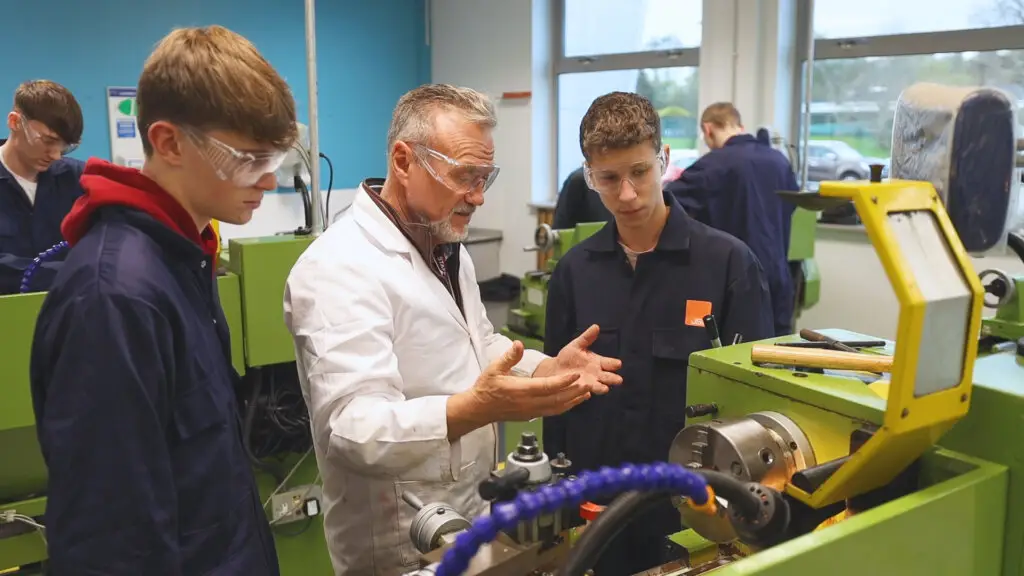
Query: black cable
x=1015 y=240
x=629 y=506
x=608 y=525
x=330 y=186
x=300 y=531
x=735 y=491
x=250 y=416
x=307 y=206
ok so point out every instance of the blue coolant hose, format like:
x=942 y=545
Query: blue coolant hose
x=51 y=252
x=570 y=492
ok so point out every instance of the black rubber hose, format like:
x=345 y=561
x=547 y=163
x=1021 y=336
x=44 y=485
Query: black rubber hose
x=735 y=491
x=629 y=506
x=1015 y=240
x=608 y=525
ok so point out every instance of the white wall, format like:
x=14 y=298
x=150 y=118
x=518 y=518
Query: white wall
x=855 y=293
x=281 y=212
x=488 y=45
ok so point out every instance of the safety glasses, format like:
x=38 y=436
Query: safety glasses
x=47 y=141
x=243 y=169
x=641 y=176
x=459 y=177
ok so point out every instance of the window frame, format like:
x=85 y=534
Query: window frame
x=886 y=45
x=562 y=64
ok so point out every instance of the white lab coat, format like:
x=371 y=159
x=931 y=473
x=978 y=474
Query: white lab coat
x=380 y=346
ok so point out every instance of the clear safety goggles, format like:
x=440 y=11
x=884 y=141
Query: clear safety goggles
x=243 y=169
x=459 y=177
x=641 y=176
x=47 y=141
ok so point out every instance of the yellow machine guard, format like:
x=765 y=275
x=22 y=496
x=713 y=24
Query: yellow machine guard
x=912 y=423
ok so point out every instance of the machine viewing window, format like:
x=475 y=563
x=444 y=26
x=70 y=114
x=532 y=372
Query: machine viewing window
x=673 y=91
x=599 y=27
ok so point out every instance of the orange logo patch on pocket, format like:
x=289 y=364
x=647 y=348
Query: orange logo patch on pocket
x=696 y=310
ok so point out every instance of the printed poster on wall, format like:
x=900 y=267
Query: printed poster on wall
x=125 y=142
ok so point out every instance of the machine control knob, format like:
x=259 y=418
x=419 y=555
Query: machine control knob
x=876 y=172
x=432 y=521
x=544 y=238
x=561 y=464
x=528 y=449
x=1001 y=286
x=698 y=410
x=412 y=500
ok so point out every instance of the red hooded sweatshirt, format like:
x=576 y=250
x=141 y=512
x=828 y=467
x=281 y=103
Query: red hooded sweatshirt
x=107 y=184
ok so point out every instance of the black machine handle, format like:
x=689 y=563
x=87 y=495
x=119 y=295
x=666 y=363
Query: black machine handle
x=810 y=479
x=503 y=487
x=1015 y=240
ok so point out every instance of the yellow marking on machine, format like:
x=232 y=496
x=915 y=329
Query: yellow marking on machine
x=912 y=424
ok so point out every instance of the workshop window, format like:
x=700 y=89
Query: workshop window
x=673 y=91
x=650 y=47
x=867 y=53
x=603 y=27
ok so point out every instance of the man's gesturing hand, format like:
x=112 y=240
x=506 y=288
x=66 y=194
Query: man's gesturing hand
x=596 y=372
x=497 y=396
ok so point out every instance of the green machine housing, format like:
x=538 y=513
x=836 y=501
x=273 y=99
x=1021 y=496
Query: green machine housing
x=1007 y=298
x=526 y=321
x=968 y=489
x=251 y=293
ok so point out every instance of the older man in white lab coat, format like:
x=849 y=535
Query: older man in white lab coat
x=402 y=372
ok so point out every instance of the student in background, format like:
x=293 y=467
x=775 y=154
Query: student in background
x=577 y=204
x=734 y=188
x=38 y=183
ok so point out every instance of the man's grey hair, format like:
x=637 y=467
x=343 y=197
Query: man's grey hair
x=413 y=119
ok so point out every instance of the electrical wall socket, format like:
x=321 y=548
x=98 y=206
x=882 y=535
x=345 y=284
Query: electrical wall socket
x=289 y=506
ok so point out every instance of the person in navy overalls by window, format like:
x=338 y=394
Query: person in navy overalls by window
x=734 y=188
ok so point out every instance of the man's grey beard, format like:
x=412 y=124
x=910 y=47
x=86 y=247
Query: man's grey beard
x=443 y=232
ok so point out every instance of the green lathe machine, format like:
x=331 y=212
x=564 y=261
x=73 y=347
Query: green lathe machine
x=897 y=460
x=251 y=291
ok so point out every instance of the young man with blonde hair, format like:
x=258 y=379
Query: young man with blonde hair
x=648 y=278
x=131 y=370
x=38 y=183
